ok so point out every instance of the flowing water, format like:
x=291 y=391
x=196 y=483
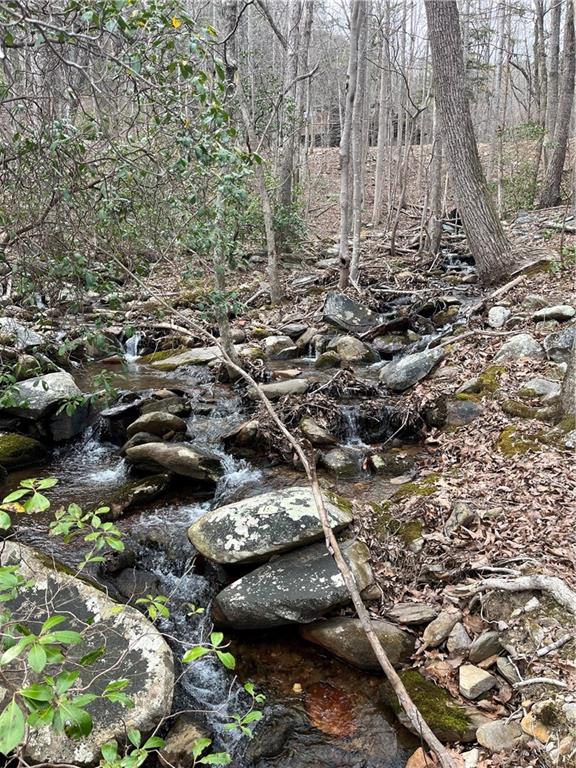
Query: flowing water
x=325 y=710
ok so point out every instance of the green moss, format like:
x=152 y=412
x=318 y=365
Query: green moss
x=568 y=424
x=162 y=354
x=19 y=450
x=473 y=396
x=489 y=379
x=385 y=524
x=424 y=487
x=448 y=719
x=339 y=501
x=512 y=441
x=519 y=410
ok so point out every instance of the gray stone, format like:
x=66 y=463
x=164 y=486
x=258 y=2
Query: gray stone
x=461 y=514
x=534 y=301
x=134 y=650
x=134 y=493
x=485 y=645
x=294 y=330
x=278 y=389
x=328 y=359
x=344 y=462
x=559 y=344
x=474 y=682
x=413 y=613
x=439 y=629
x=180 y=458
x=279 y=348
x=497 y=317
x=253 y=529
x=24 y=338
x=458 y=639
x=43 y=394
x=543 y=389
x=174 y=404
x=20 y=451
x=390 y=344
x=499 y=735
x=157 y=423
x=316 y=434
x=519 y=346
x=352 y=350
x=295 y=588
x=461 y=412
x=198 y=356
x=390 y=463
x=133 y=583
x=507 y=670
x=407 y=371
x=180 y=741
x=559 y=312
x=344 y=637
x=348 y=314
x=304 y=341
x=140 y=438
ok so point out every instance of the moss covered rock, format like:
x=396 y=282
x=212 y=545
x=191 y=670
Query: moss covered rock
x=19 y=451
x=448 y=719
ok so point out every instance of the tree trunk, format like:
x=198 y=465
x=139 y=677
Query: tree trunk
x=436 y=178
x=553 y=67
x=568 y=392
x=383 y=115
x=486 y=239
x=550 y=193
x=358 y=144
x=345 y=143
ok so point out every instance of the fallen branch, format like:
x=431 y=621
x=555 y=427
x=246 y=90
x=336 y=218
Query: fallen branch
x=412 y=712
x=540 y=681
x=554 y=586
x=546 y=649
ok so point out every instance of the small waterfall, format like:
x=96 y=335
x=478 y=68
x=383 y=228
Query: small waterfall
x=131 y=347
x=352 y=426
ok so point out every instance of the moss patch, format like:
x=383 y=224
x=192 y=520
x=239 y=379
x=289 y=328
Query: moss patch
x=424 y=487
x=339 y=501
x=162 y=354
x=386 y=524
x=489 y=380
x=19 y=451
x=448 y=720
x=512 y=441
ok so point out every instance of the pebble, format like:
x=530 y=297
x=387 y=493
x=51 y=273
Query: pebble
x=497 y=316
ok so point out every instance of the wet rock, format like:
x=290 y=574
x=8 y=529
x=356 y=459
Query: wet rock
x=174 y=404
x=390 y=463
x=390 y=344
x=458 y=640
x=23 y=337
x=328 y=359
x=348 y=314
x=298 y=587
x=179 y=742
x=499 y=736
x=180 y=458
x=541 y=389
x=140 y=438
x=316 y=434
x=134 y=650
x=294 y=330
x=304 y=341
x=345 y=638
x=279 y=348
x=449 y=720
x=197 y=356
x=439 y=629
x=413 y=613
x=352 y=350
x=279 y=389
x=135 y=583
x=474 y=682
x=134 y=493
x=485 y=645
x=253 y=529
x=519 y=346
x=560 y=312
x=20 y=451
x=407 y=371
x=343 y=462
x=244 y=435
x=156 y=423
x=497 y=317
x=558 y=345
x=273 y=732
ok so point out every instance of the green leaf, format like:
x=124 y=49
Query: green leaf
x=15 y=495
x=199 y=746
x=37 y=503
x=48 y=482
x=154 y=742
x=15 y=651
x=12 y=728
x=92 y=657
x=5 y=520
x=217 y=758
x=195 y=653
x=135 y=737
x=51 y=621
x=38 y=692
x=65 y=636
x=216 y=638
x=227 y=659
x=252 y=717
x=109 y=751
x=37 y=658
x=77 y=722
x=66 y=680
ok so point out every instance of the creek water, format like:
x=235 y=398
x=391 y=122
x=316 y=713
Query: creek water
x=319 y=713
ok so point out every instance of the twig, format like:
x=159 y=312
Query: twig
x=540 y=681
x=555 y=587
x=554 y=646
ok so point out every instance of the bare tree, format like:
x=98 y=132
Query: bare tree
x=486 y=239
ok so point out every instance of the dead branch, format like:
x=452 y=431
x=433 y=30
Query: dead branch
x=554 y=586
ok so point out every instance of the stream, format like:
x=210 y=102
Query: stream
x=319 y=712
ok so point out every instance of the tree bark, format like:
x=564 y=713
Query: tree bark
x=290 y=123
x=568 y=391
x=553 y=67
x=383 y=116
x=486 y=239
x=358 y=143
x=550 y=193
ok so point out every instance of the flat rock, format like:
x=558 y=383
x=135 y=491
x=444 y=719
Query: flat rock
x=461 y=412
x=499 y=736
x=295 y=588
x=543 y=389
x=407 y=371
x=156 y=423
x=559 y=312
x=413 y=613
x=42 y=395
x=134 y=650
x=474 y=682
x=497 y=316
x=253 y=529
x=278 y=389
x=507 y=670
x=348 y=314
x=438 y=630
x=134 y=493
x=519 y=346
x=197 y=356
x=485 y=645
x=316 y=434
x=345 y=638
x=180 y=458
x=558 y=345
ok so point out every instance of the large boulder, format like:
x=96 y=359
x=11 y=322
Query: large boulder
x=519 y=346
x=352 y=350
x=19 y=451
x=253 y=529
x=156 y=423
x=296 y=588
x=407 y=371
x=558 y=312
x=197 y=356
x=22 y=336
x=348 y=314
x=135 y=650
x=345 y=638
x=279 y=348
x=559 y=344
x=179 y=458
